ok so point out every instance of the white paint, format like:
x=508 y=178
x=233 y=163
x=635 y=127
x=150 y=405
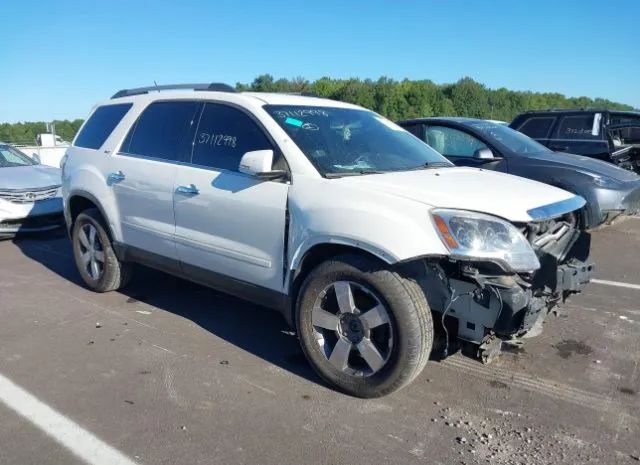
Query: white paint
x=69 y=434
x=616 y=284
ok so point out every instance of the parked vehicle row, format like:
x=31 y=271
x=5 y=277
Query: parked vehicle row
x=363 y=236
x=609 y=190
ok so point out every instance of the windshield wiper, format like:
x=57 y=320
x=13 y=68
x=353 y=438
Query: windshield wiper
x=434 y=164
x=352 y=173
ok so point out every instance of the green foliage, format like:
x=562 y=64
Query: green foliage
x=409 y=99
x=393 y=99
x=25 y=133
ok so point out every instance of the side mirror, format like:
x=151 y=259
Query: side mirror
x=484 y=154
x=258 y=164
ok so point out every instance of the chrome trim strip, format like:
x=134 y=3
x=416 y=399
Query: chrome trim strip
x=556 y=209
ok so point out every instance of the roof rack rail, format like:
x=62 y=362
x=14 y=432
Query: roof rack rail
x=214 y=86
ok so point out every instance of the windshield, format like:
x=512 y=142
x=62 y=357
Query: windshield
x=10 y=157
x=343 y=141
x=511 y=139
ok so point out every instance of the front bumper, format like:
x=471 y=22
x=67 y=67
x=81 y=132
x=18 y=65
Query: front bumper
x=615 y=202
x=43 y=215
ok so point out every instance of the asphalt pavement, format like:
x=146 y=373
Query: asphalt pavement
x=170 y=372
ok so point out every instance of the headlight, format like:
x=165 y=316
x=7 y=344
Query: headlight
x=475 y=236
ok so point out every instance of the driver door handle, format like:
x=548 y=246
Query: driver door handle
x=115 y=177
x=188 y=190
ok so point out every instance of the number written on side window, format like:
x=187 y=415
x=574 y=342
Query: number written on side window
x=224 y=135
x=217 y=139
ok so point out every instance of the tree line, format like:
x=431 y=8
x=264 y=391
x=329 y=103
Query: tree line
x=25 y=133
x=391 y=98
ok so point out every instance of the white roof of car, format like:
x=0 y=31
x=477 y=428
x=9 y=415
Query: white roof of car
x=260 y=98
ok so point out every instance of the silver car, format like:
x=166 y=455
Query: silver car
x=30 y=199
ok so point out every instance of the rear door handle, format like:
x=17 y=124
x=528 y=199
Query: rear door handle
x=559 y=148
x=188 y=190
x=115 y=177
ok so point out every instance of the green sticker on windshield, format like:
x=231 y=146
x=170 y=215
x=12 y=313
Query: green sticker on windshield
x=293 y=122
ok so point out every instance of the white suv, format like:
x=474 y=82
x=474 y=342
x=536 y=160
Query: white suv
x=356 y=230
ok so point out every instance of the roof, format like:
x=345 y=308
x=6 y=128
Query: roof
x=453 y=119
x=221 y=92
x=582 y=110
x=294 y=99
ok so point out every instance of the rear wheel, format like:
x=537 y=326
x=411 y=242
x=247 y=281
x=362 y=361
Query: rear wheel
x=365 y=328
x=95 y=258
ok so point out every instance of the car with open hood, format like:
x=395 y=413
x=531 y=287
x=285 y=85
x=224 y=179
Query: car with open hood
x=610 y=191
x=30 y=194
x=358 y=232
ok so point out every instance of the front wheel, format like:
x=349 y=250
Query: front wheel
x=95 y=258
x=365 y=328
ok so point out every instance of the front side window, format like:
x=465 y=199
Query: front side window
x=224 y=135
x=10 y=157
x=505 y=137
x=343 y=141
x=537 y=127
x=100 y=125
x=578 y=127
x=452 y=142
x=161 y=130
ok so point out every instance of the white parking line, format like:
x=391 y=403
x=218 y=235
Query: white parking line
x=616 y=284
x=79 y=441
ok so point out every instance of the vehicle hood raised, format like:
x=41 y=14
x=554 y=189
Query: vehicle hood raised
x=29 y=177
x=509 y=197
x=587 y=165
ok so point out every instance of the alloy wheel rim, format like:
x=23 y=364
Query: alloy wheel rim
x=352 y=328
x=91 y=251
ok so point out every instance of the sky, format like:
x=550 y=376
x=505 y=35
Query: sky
x=60 y=58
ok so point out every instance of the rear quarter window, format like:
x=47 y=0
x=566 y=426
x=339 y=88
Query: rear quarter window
x=100 y=125
x=537 y=127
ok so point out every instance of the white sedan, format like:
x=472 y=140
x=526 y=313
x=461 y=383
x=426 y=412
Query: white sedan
x=30 y=199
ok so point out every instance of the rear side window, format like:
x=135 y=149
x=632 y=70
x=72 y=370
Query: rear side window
x=224 y=135
x=160 y=131
x=100 y=125
x=578 y=127
x=537 y=127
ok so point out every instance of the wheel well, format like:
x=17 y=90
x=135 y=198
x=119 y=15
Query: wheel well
x=77 y=204
x=312 y=258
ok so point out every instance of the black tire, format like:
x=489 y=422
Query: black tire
x=406 y=305
x=115 y=274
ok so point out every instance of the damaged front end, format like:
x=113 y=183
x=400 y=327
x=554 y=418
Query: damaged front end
x=483 y=304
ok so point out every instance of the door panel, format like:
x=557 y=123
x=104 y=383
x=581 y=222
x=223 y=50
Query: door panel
x=234 y=225
x=145 y=202
x=228 y=222
x=143 y=172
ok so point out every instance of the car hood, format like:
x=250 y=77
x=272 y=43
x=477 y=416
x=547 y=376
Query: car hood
x=511 y=197
x=29 y=177
x=588 y=165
